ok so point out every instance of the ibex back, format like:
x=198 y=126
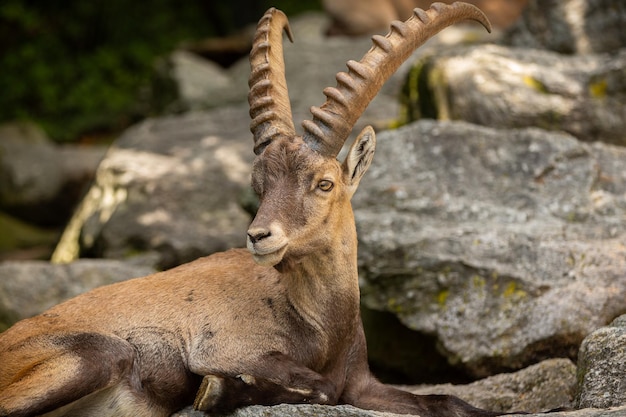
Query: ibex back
x=278 y=322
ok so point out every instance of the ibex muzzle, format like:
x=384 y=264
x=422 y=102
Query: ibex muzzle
x=279 y=322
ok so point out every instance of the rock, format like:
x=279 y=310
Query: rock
x=198 y=83
x=41 y=182
x=506 y=246
x=30 y=172
x=287 y=410
x=514 y=87
x=224 y=50
x=548 y=385
x=571 y=26
x=168 y=186
x=587 y=412
x=602 y=367
x=31 y=287
x=291 y=410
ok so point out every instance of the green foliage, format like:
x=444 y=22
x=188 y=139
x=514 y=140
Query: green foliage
x=78 y=67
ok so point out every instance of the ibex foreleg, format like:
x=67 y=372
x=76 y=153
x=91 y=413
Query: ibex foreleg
x=380 y=397
x=275 y=379
x=364 y=391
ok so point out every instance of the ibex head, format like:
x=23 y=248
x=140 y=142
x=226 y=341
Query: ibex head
x=304 y=191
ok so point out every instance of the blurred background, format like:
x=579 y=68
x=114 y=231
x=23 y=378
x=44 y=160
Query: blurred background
x=78 y=74
x=83 y=70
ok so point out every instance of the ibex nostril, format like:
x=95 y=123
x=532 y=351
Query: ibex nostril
x=256 y=235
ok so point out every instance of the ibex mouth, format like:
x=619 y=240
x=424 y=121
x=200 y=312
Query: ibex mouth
x=267 y=255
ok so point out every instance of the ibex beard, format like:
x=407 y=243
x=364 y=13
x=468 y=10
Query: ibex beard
x=276 y=323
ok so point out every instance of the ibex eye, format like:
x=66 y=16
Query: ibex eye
x=325 y=185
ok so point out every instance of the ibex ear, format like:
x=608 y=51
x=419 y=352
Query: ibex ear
x=359 y=157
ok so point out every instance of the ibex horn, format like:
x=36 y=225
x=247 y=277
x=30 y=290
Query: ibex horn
x=333 y=121
x=270 y=109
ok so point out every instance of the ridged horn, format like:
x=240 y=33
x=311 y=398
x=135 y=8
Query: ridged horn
x=333 y=121
x=270 y=109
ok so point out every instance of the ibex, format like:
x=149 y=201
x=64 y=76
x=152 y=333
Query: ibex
x=278 y=322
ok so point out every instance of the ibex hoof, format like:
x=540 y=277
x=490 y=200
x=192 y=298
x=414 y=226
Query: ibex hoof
x=209 y=393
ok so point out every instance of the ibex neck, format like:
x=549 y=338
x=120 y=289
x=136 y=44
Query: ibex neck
x=324 y=287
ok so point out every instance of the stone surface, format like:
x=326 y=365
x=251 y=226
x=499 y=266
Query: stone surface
x=41 y=181
x=290 y=410
x=30 y=287
x=507 y=246
x=169 y=187
x=548 y=385
x=30 y=171
x=602 y=367
x=586 y=412
x=571 y=26
x=497 y=86
x=197 y=83
x=286 y=410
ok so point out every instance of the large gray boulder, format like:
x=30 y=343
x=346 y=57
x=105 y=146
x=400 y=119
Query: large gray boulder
x=168 y=186
x=291 y=410
x=288 y=410
x=548 y=385
x=602 y=367
x=28 y=288
x=29 y=169
x=497 y=86
x=505 y=245
x=585 y=412
x=186 y=81
x=41 y=181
